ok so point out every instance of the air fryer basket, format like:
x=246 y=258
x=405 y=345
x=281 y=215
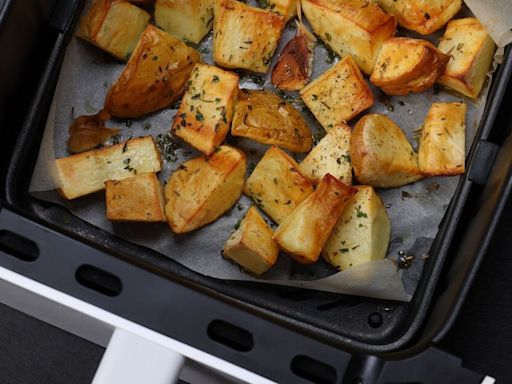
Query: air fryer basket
x=353 y=323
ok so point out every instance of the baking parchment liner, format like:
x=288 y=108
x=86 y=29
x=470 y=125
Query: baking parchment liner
x=415 y=210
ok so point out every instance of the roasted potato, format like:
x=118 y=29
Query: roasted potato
x=87 y=172
x=277 y=185
x=423 y=16
x=381 y=155
x=206 y=109
x=114 y=26
x=286 y=8
x=304 y=232
x=362 y=232
x=155 y=76
x=137 y=198
x=202 y=189
x=408 y=65
x=251 y=245
x=442 y=141
x=354 y=28
x=331 y=155
x=471 y=50
x=266 y=118
x=188 y=20
x=295 y=64
x=89 y=132
x=338 y=95
x=244 y=36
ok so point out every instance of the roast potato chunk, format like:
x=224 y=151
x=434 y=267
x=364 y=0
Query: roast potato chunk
x=244 y=36
x=331 y=155
x=354 y=28
x=89 y=132
x=471 y=50
x=286 y=8
x=423 y=16
x=442 y=141
x=251 y=245
x=338 y=95
x=137 y=198
x=188 y=20
x=407 y=65
x=155 y=76
x=266 y=118
x=362 y=232
x=304 y=232
x=87 y=172
x=381 y=155
x=206 y=109
x=202 y=189
x=277 y=185
x=114 y=26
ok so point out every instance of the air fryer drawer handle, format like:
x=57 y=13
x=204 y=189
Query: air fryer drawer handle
x=131 y=359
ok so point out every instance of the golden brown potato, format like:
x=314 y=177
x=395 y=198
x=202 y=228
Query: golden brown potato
x=423 y=16
x=408 y=65
x=362 y=232
x=87 y=172
x=277 y=185
x=155 y=76
x=137 y=198
x=295 y=64
x=354 y=28
x=188 y=20
x=286 y=8
x=244 y=36
x=202 y=189
x=304 y=232
x=381 y=155
x=338 y=95
x=331 y=155
x=251 y=245
x=114 y=26
x=206 y=109
x=266 y=118
x=442 y=142
x=89 y=132
x=471 y=51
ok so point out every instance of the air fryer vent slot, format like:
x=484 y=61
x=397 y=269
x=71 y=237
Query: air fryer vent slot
x=99 y=280
x=230 y=335
x=313 y=370
x=18 y=246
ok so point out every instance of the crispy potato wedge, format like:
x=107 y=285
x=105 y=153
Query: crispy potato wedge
x=266 y=118
x=206 y=109
x=251 y=245
x=304 y=232
x=188 y=20
x=89 y=132
x=137 y=198
x=381 y=155
x=87 y=172
x=362 y=232
x=423 y=16
x=245 y=37
x=354 y=28
x=286 y=8
x=338 y=95
x=408 y=65
x=331 y=155
x=442 y=141
x=155 y=76
x=114 y=26
x=202 y=189
x=472 y=51
x=277 y=185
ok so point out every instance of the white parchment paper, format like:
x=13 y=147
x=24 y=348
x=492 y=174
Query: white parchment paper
x=415 y=210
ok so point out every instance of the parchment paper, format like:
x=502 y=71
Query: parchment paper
x=415 y=210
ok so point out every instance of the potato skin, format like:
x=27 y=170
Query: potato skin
x=304 y=232
x=362 y=232
x=381 y=155
x=286 y=8
x=204 y=188
x=264 y=117
x=155 y=76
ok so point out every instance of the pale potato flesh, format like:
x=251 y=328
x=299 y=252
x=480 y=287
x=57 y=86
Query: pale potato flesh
x=204 y=188
x=362 y=232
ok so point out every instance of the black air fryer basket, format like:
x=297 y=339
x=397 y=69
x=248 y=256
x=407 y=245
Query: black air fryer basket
x=285 y=334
